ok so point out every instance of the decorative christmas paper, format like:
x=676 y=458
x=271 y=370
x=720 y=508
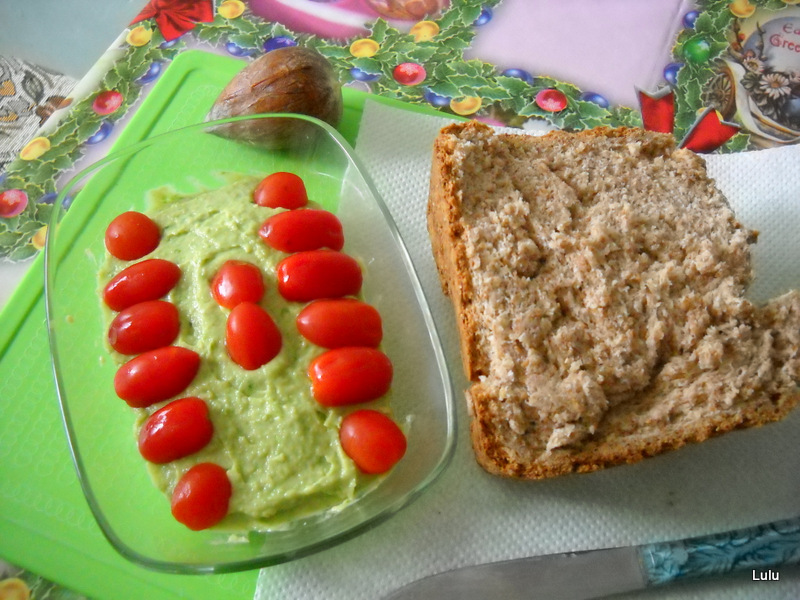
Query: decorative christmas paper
x=739 y=59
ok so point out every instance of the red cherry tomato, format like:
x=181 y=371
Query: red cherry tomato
x=349 y=375
x=144 y=326
x=314 y=274
x=147 y=280
x=201 y=497
x=338 y=322
x=298 y=230
x=251 y=336
x=156 y=375
x=179 y=429
x=372 y=440
x=131 y=235
x=237 y=281
x=281 y=190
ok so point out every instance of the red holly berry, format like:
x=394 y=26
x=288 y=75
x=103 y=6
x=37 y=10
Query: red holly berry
x=12 y=203
x=551 y=100
x=409 y=73
x=107 y=102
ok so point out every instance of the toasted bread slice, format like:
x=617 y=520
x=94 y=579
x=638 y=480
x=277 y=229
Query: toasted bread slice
x=598 y=284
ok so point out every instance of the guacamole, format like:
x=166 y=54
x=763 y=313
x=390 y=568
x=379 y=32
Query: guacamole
x=279 y=446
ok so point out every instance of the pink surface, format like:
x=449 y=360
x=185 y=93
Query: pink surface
x=337 y=19
x=609 y=47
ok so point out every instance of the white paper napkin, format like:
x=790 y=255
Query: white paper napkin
x=469 y=517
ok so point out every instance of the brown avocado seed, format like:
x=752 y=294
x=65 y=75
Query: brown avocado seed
x=294 y=79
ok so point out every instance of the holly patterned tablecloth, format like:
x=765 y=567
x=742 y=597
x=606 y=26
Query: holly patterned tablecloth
x=722 y=76
x=573 y=64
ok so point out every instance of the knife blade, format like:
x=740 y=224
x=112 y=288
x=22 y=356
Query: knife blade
x=598 y=573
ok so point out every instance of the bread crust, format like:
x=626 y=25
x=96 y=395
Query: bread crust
x=445 y=229
x=612 y=440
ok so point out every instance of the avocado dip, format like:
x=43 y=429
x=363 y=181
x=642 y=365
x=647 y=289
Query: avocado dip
x=279 y=446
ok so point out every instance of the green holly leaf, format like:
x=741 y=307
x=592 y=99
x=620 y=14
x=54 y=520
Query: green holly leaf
x=59 y=163
x=477 y=68
x=246 y=25
x=111 y=80
x=570 y=91
x=513 y=85
x=207 y=34
x=8 y=238
x=544 y=82
x=719 y=47
x=574 y=122
x=455 y=18
x=454 y=40
x=738 y=143
x=367 y=64
x=516 y=103
x=531 y=109
x=491 y=93
x=721 y=22
x=442 y=71
x=335 y=52
x=380 y=30
x=60 y=135
x=559 y=119
x=39 y=176
x=592 y=115
x=422 y=54
x=445 y=88
x=88 y=126
x=13 y=179
x=402 y=48
x=704 y=24
x=21 y=252
x=43 y=213
x=244 y=40
x=626 y=116
x=466 y=84
x=28 y=228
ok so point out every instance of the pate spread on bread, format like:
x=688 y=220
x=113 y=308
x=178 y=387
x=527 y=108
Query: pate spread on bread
x=598 y=283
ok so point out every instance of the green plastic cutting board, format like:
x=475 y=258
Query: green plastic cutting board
x=45 y=523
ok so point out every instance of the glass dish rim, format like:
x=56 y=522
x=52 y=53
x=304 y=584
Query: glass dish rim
x=443 y=369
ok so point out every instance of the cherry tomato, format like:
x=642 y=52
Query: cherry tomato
x=338 y=322
x=314 y=274
x=179 y=429
x=298 y=230
x=131 y=235
x=156 y=375
x=350 y=375
x=237 y=281
x=144 y=326
x=201 y=497
x=372 y=440
x=147 y=280
x=281 y=190
x=251 y=336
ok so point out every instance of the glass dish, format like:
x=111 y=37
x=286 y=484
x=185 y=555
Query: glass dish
x=131 y=512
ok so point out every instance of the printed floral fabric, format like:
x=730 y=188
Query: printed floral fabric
x=28 y=95
x=16 y=583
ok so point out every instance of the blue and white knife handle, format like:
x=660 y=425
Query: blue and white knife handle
x=756 y=547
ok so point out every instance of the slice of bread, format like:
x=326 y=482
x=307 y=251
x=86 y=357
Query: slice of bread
x=598 y=284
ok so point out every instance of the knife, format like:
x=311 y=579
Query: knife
x=599 y=573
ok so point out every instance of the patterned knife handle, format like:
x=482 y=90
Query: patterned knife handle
x=754 y=548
